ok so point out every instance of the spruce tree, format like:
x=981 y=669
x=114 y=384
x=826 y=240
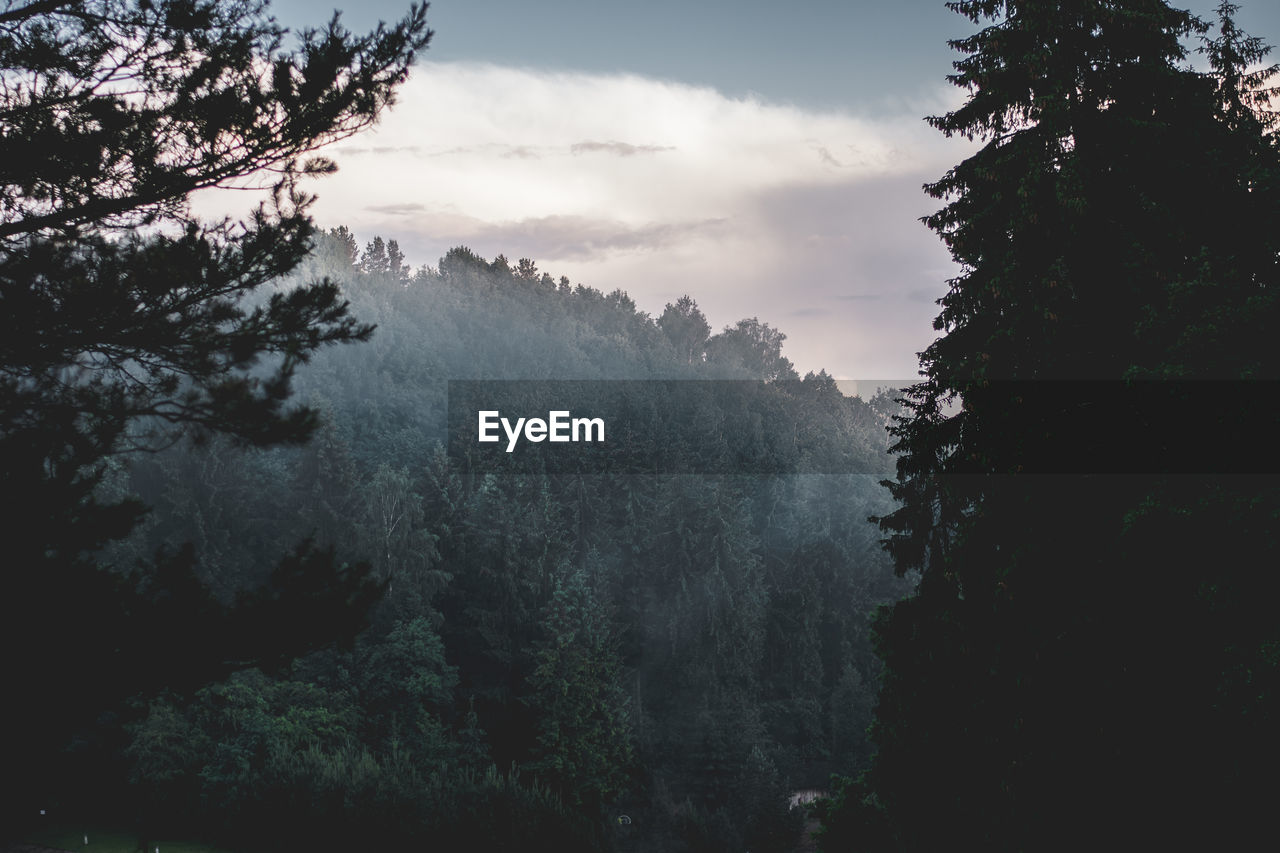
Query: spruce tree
x=1057 y=677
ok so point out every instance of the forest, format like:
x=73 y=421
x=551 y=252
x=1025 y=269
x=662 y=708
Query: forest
x=256 y=597
x=547 y=650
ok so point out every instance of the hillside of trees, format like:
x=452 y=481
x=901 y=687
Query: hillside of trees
x=549 y=651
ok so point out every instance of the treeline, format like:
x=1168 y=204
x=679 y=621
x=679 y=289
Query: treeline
x=549 y=652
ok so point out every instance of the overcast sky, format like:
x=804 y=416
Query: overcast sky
x=765 y=158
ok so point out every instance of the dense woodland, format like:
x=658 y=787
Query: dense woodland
x=681 y=649
x=251 y=598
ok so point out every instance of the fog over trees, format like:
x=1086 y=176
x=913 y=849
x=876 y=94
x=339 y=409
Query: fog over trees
x=255 y=597
x=683 y=649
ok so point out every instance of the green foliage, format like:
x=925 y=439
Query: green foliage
x=279 y=763
x=404 y=686
x=682 y=649
x=584 y=730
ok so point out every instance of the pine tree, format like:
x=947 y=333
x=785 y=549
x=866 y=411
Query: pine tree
x=126 y=322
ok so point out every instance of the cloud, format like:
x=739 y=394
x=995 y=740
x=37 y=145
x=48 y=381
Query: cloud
x=622 y=149
x=661 y=188
x=522 y=152
x=508 y=144
x=405 y=209
x=578 y=238
x=825 y=156
x=565 y=237
x=356 y=150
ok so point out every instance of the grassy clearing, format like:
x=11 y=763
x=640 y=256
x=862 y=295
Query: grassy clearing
x=109 y=841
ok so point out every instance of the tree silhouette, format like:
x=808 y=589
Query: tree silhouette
x=1070 y=663
x=127 y=322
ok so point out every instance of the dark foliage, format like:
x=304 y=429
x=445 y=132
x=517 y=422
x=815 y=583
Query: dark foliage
x=1073 y=665
x=126 y=323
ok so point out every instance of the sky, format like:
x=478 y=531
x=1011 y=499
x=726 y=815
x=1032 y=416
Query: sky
x=765 y=158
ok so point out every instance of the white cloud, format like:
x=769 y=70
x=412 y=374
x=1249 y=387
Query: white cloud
x=756 y=209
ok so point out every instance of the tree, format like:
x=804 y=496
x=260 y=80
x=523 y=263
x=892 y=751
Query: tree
x=127 y=322
x=755 y=346
x=1060 y=669
x=584 y=728
x=342 y=246
x=405 y=684
x=374 y=261
x=395 y=262
x=325 y=484
x=687 y=329
x=526 y=270
x=390 y=515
